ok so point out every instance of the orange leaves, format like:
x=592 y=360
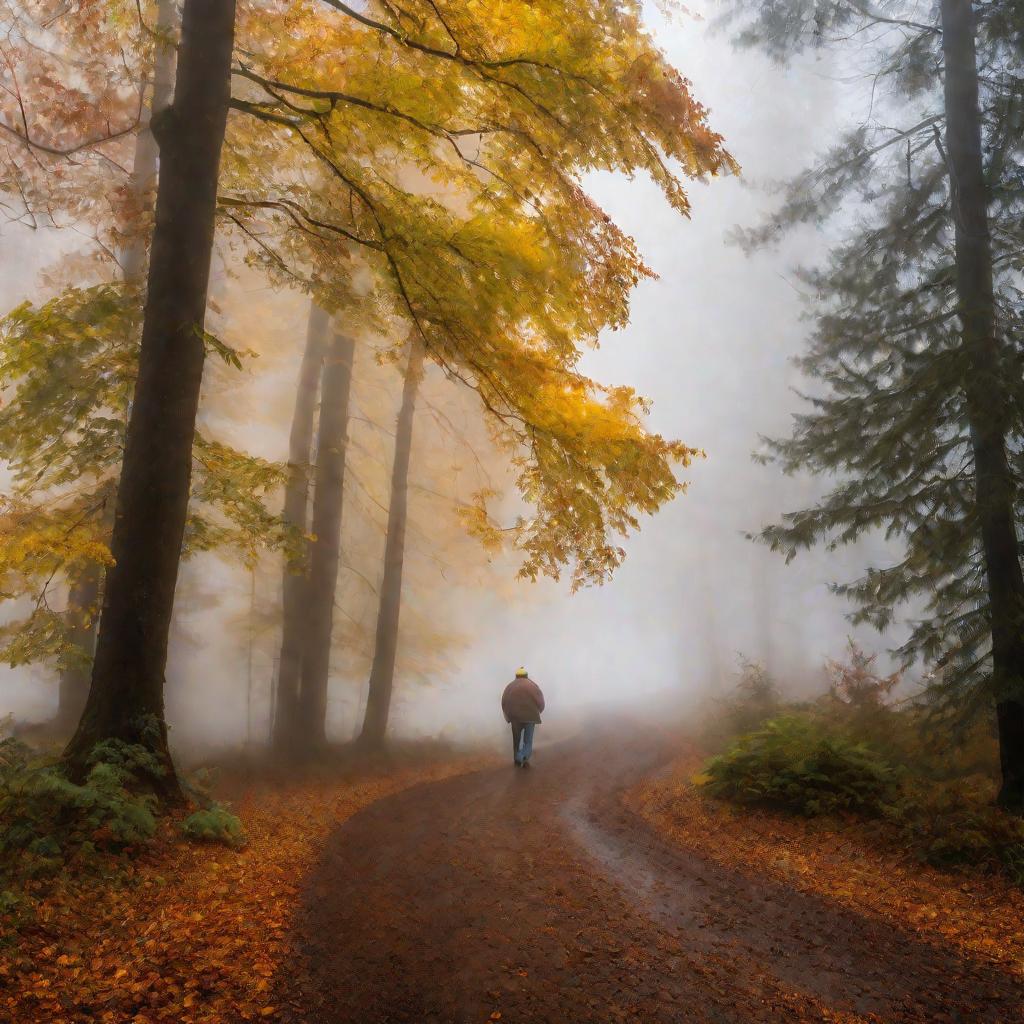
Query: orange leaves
x=185 y=934
x=978 y=916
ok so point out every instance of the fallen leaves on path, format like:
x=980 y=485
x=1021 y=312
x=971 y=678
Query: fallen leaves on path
x=185 y=933
x=979 y=915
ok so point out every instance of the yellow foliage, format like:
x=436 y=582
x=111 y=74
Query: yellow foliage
x=421 y=167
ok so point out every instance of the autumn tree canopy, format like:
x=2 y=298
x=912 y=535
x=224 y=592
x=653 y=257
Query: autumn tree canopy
x=417 y=169
x=444 y=154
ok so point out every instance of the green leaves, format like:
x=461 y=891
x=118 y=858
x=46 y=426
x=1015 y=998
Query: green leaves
x=47 y=818
x=214 y=824
x=231 y=493
x=796 y=765
x=213 y=345
x=68 y=368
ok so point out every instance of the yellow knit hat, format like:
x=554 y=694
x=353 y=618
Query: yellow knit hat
x=520 y=673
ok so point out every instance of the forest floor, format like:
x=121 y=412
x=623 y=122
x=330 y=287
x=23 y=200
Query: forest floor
x=594 y=888
x=190 y=933
x=570 y=893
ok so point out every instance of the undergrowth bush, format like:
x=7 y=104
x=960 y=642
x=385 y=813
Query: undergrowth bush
x=755 y=699
x=929 y=786
x=214 y=824
x=957 y=825
x=794 y=764
x=45 y=818
x=47 y=821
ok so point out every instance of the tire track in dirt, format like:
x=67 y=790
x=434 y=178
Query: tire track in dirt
x=535 y=895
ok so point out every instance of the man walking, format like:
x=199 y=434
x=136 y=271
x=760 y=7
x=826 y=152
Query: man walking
x=522 y=702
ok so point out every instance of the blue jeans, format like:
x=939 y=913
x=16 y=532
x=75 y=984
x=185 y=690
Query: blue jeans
x=522 y=740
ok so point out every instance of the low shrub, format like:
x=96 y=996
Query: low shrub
x=214 y=824
x=956 y=825
x=45 y=817
x=928 y=782
x=793 y=763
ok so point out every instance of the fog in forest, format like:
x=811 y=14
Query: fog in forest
x=636 y=381
x=710 y=343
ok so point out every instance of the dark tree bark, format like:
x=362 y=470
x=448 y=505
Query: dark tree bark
x=126 y=698
x=987 y=400
x=296 y=514
x=328 y=498
x=382 y=672
x=84 y=592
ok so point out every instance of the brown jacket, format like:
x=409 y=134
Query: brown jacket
x=522 y=701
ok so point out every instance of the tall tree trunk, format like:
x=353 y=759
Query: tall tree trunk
x=84 y=592
x=328 y=499
x=296 y=514
x=126 y=698
x=985 y=390
x=709 y=630
x=382 y=672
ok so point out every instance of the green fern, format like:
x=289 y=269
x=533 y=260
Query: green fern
x=214 y=824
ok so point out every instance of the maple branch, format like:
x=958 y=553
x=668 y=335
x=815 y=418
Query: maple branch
x=260 y=111
x=333 y=96
x=71 y=150
x=60 y=562
x=297 y=214
x=456 y=55
x=448 y=135
x=485 y=380
x=275 y=256
x=479 y=66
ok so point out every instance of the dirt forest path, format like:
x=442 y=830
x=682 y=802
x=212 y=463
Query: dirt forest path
x=534 y=896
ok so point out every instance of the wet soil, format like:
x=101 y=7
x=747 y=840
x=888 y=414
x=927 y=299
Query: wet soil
x=534 y=896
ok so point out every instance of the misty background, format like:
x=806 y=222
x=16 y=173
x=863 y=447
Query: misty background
x=710 y=343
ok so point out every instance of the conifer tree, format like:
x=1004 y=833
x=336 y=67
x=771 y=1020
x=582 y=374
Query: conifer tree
x=916 y=350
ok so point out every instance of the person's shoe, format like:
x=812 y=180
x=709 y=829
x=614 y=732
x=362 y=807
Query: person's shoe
x=517 y=764
x=526 y=764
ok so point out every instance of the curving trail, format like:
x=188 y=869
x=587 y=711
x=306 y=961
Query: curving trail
x=535 y=896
